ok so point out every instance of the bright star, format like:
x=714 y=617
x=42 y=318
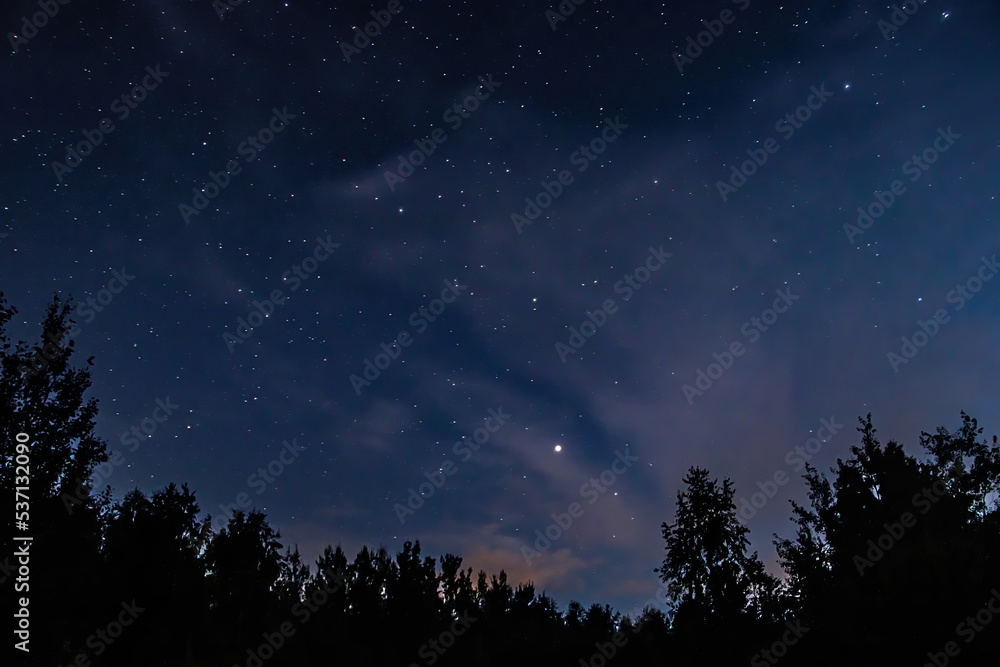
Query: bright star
x=558 y=448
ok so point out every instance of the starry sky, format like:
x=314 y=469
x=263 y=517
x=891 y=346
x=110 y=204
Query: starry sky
x=621 y=241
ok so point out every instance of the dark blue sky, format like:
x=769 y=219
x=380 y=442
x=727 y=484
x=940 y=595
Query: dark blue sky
x=623 y=154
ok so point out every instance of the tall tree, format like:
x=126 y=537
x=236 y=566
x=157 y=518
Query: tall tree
x=42 y=396
x=153 y=555
x=456 y=586
x=807 y=559
x=708 y=574
x=243 y=564
x=293 y=579
x=414 y=606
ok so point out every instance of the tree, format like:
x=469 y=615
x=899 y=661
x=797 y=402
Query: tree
x=599 y=623
x=497 y=598
x=371 y=573
x=153 y=554
x=243 y=564
x=415 y=609
x=808 y=559
x=895 y=543
x=293 y=579
x=970 y=469
x=574 y=622
x=706 y=569
x=456 y=586
x=42 y=397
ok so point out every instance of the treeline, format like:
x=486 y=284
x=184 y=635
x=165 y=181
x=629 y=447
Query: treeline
x=894 y=561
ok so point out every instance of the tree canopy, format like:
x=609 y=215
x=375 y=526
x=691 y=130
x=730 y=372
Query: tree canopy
x=891 y=562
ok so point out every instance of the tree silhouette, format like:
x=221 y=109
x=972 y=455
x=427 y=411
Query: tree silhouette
x=970 y=469
x=713 y=585
x=706 y=569
x=243 y=562
x=896 y=544
x=456 y=586
x=42 y=395
x=891 y=558
x=153 y=554
x=414 y=606
x=808 y=559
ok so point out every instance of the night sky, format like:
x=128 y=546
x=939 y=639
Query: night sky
x=523 y=234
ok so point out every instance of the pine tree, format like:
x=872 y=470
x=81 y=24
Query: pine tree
x=706 y=569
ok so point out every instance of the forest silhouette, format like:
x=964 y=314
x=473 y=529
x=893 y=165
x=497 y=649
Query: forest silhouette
x=893 y=562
